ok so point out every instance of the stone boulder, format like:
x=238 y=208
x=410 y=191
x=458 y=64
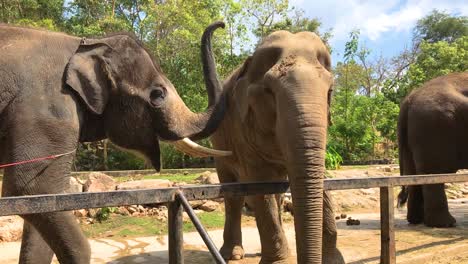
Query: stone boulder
x=208 y=177
x=209 y=206
x=11 y=228
x=99 y=182
x=144 y=184
x=75 y=186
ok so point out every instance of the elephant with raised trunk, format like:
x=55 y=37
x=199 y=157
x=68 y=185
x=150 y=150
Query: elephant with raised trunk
x=58 y=90
x=432 y=139
x=276 y=127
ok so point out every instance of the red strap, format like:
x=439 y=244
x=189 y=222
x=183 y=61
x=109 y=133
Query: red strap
x=35 y=160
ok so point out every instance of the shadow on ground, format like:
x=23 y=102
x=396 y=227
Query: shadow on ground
x=190 y=257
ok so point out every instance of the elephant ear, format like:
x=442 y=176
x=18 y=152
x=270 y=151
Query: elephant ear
x=241 y=90
x=88 y=74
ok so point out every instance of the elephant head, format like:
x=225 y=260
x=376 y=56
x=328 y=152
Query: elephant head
x=124 y=88
x=282 y=93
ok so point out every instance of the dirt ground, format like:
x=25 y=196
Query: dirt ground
x=359 y=244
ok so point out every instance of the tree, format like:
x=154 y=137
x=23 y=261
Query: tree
x=37 y=13
x=440 y=26
x=364 y=120
x=436 y=59
x=265 y=13
x=296 y=23
x=437 y=49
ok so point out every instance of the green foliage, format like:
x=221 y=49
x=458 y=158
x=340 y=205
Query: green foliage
x=104 y=213
x=440 y=26
x=367 y=93
x=333 y=159
x=436 y=59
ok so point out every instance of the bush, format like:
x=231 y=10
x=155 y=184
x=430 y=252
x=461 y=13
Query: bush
x=333 y=160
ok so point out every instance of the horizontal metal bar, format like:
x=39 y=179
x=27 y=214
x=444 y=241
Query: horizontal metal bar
x=391 y=181
x=66 y=202
x=201 y=230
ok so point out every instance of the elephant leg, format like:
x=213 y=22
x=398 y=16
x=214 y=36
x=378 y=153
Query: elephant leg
x=63 y=235
x=232 y=246
x=436 y=211
x=330 y=253
x=273 y=240
x=34 y=250
x=232 y=234
x=415 y=214
x=60 y=230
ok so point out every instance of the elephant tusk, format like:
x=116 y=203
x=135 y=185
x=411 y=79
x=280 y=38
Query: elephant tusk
x=195 y=150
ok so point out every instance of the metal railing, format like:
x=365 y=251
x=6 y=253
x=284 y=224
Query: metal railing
x=178 y=198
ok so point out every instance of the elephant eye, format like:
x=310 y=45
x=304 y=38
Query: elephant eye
x=157 y=96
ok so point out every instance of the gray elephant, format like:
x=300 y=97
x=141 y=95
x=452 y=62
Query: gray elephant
x=432 y=138
x=57 y=90
x=276 y=127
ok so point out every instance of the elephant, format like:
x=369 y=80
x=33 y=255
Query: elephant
x=432 y=128
x=276 y=128
x=58 y=90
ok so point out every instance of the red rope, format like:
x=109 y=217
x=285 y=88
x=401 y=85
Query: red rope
x=35 y=160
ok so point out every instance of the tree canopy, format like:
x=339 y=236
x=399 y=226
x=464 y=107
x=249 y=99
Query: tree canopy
x=368 y=88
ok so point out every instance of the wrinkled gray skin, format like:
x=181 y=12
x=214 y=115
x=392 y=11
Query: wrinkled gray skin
x=432 y=138
x=276 y=126
x=57 y=90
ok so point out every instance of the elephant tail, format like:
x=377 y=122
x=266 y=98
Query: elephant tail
x=407 y=165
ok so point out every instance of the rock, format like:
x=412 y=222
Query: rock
x=387 y=169
x=123 y=211
x=80 y=213
x=209 y=206
x=178 y=184
x=337 y=217
x=141 y=209
x=208 y=177
x=75 y=186
x=93 y=212
x=288 y=205
x=132 y=209
x=196 y=204
x=11 y=228
x=144 y=184
x=343 y=216
x=367 y=191
x=99 y=182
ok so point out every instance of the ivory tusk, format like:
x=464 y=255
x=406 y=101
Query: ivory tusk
x=195 y=150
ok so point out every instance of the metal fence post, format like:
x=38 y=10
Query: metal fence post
x=387 y=231
x=176 y=234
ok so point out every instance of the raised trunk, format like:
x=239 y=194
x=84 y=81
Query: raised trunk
x=302 y=127
x=201 y=125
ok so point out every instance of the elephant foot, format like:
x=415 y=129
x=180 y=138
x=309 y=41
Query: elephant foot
x=440 y=220
x=334 y=257
x=232 y=252
x=414 y=219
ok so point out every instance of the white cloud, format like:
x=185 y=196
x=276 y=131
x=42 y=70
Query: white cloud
x=376 y=17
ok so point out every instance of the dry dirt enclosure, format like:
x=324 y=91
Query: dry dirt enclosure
x=359 y=244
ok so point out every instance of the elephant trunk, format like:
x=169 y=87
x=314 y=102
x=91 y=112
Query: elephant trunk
x=302 y=128
x=200 y=125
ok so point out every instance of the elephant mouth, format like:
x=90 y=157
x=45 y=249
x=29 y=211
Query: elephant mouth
x=193 y=149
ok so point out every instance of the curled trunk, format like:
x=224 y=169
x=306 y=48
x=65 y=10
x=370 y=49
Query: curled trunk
x=201 y=125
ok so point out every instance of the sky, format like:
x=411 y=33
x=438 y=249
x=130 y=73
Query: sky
x=385 y=25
